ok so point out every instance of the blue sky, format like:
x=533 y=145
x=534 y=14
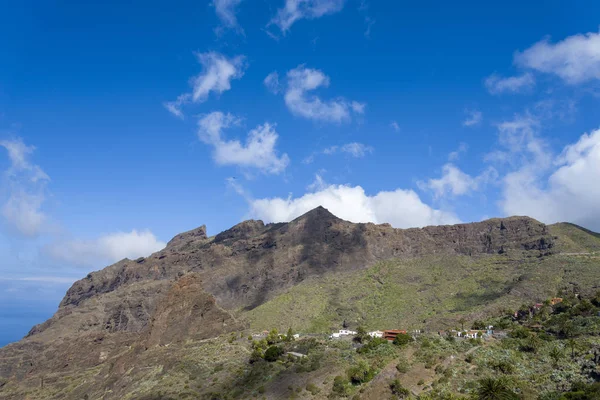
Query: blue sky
x=409 y=113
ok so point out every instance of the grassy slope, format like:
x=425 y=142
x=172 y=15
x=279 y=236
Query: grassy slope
x=433 y=292
x=575 y=239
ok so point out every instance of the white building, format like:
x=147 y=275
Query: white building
x=376 y=334
x=345 y=332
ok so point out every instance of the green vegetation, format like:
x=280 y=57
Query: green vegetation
x=429 y=292
x=273 y=353
x=402 y=339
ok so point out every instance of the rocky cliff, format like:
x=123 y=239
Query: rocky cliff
x=251 y=262
x=200 y=287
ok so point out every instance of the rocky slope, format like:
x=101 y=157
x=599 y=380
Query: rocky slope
x=200 y=287
x=250 y=263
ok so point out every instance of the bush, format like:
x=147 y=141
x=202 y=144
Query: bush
x=313 y=389
x=341 y=386
x=372 y=345
x=256 y=356
x=403 y=366
x=504 y=366
x=520 y=332
x=495 y=389
x=399 y=390
x=360 y=373
x=402 y=339
x=361 y=335
x=273 y=353
x=273 y=337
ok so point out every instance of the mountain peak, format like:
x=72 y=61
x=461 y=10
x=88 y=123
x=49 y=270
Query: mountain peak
x=319 y=212
x=189 y=236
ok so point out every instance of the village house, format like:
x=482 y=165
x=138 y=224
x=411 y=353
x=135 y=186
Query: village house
x=556 y=300
x=342 y=332
x=376 y=334
x=391 y=334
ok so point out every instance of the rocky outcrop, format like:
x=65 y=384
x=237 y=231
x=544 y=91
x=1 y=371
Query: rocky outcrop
x=188 y=312
x=250 y=263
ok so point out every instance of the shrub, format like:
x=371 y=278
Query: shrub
x=256 y=356
x=504 y=366
x=313 y=389
x=403 y=366
x=520 y=332
x=402 y=339
x=273 y=337
x=273 y=353
x=399 y=390
x=341 y=386
x=360 y=373
x=361 y=335
x=495 y=389
x=372 y=345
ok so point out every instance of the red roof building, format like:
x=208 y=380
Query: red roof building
x=392 y=333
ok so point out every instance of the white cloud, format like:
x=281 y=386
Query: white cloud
x=26 y=185
x=217 y=73
x=295 y=10
x=226 y=11
x=520 y=138
x=301 y=81
x=369 y=22
x=318 y=184
x=457 y=183
x=496 y=84
x=106 y=249
x=401 y=208
x=258 y=152
x=455 y=155
x=357 y=150
x=394 y=125
x=272 y=82
x=575 y=59
x=474 y=117
x=565 y=189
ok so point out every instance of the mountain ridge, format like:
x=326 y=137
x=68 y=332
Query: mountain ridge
x=311 y=272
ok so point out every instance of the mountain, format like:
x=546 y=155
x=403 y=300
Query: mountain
x=311 y=273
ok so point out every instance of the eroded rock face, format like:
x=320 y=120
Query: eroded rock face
x=192 y=288
x=188 y=312
x=250 y=263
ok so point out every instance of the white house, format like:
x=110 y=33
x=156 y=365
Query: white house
x=296 y=336
x=346 y=332
x=334 y=335
x=376 y=334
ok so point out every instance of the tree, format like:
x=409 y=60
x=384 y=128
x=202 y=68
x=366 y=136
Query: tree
x=361 y=335
x=256 y=356
x=462 y=321
x=556 y=354
x=402 y=339
x=532 y=344
x=273 y=337
x=290 y=335
x=572 y=344
x=495 y=389
x=273 y=353
x=360 y=373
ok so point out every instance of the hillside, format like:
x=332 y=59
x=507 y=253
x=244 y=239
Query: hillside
x=110 y=335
